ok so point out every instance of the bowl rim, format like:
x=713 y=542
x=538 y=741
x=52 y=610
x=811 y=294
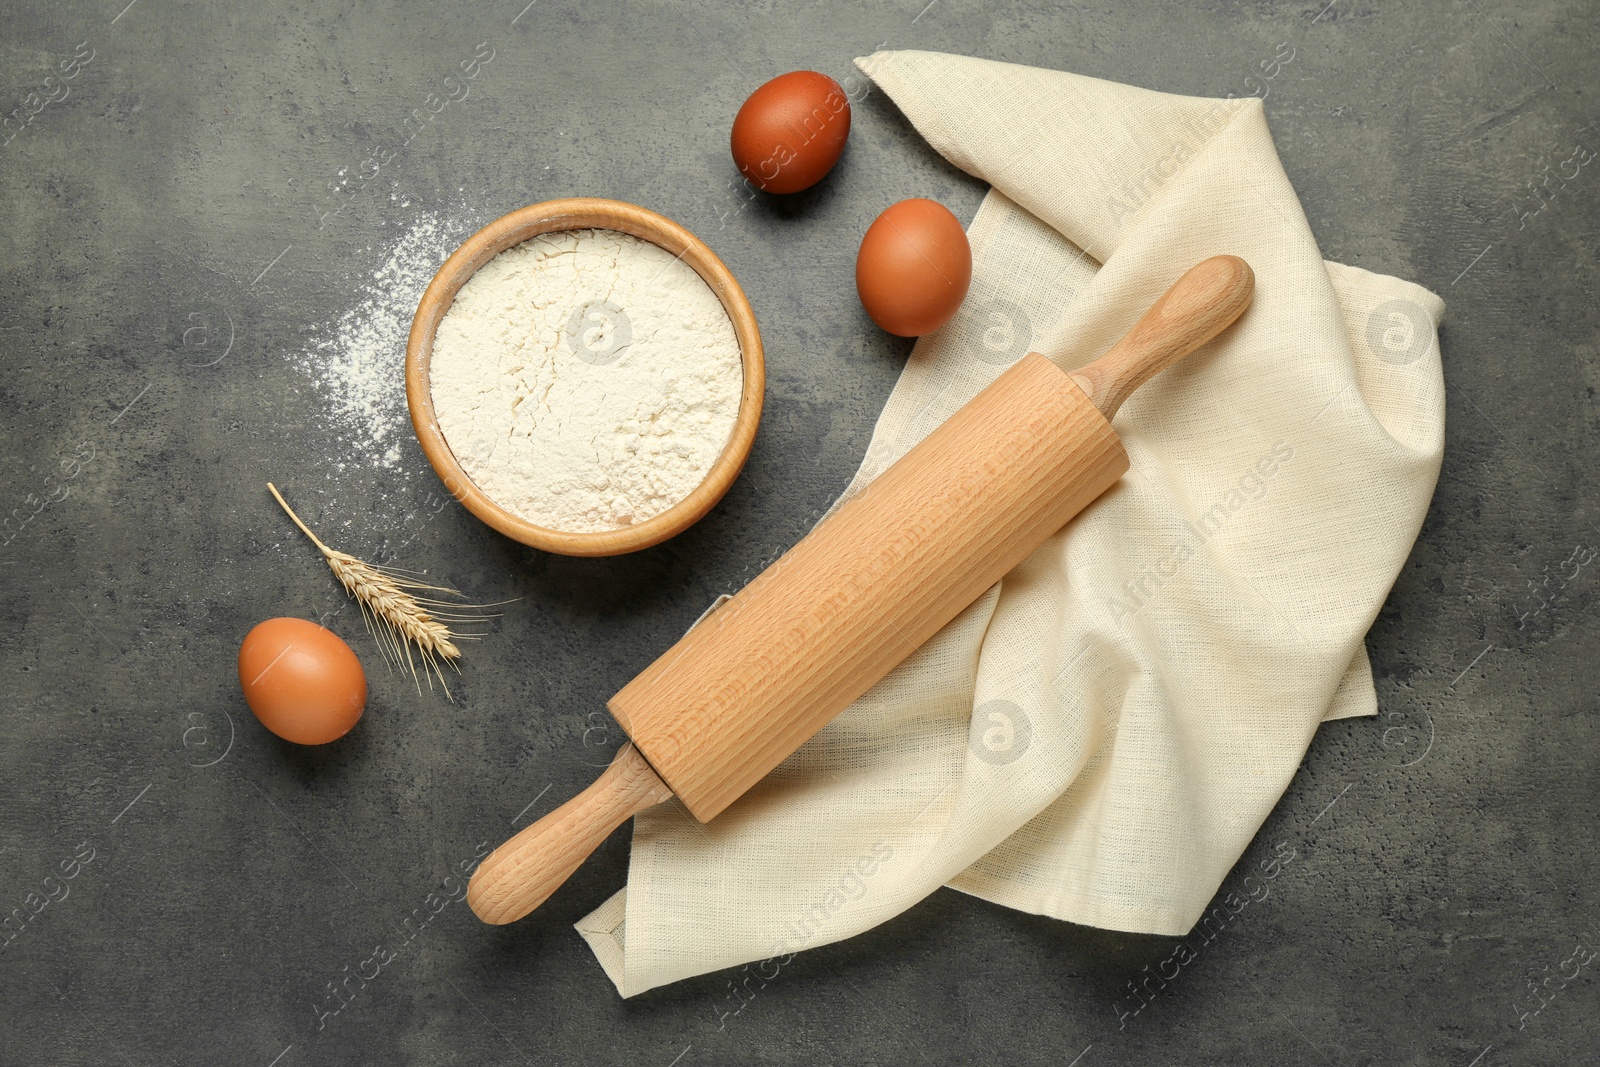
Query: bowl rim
x=581 y=213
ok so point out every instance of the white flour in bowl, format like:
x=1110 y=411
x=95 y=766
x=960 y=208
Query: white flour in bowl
x=586 y=380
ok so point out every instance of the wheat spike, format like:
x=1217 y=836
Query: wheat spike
x=397 y=617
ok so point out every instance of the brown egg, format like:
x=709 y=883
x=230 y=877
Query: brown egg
x=914 y=267
x=791 y=131
x=302 y=681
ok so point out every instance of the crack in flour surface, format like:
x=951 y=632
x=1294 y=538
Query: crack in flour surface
x=586 y=380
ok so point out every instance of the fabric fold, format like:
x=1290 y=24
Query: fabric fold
x=1100 y=736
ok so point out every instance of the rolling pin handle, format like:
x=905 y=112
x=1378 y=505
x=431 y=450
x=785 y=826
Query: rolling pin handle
x=1200 y=305
x=522 y=873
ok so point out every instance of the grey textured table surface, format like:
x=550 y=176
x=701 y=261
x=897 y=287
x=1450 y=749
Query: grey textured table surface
x=178 y=255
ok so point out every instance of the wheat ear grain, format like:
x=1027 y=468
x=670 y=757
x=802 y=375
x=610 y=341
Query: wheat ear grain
x=397 y=618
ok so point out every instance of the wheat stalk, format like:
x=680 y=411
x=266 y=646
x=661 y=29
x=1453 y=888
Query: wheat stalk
x=396 y=617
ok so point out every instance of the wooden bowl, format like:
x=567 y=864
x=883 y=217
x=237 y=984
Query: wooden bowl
x=582 y=214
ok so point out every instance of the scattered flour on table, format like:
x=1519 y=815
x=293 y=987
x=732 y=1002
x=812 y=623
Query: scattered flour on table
x=360 y=370
x=586 y=380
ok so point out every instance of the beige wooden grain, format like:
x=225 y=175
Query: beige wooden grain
x=869 y=585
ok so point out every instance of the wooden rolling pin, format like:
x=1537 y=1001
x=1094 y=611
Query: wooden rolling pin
x=750 y=684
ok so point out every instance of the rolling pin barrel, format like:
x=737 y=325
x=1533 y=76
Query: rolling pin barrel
x=870 y=584
x=877 y=578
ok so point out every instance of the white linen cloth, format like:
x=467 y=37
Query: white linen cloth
x=1099 y=737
